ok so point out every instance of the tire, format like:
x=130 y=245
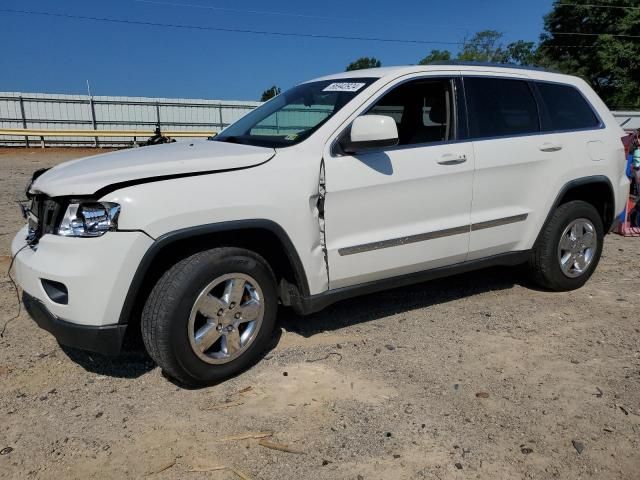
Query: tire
x=546 y=261
x=203 y=293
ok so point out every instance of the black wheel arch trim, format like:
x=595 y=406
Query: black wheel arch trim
x=202 y=230
x=580 y=182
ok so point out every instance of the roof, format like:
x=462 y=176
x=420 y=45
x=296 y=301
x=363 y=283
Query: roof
x=381 y=72
x=490 y=64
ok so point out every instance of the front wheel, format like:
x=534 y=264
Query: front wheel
x=569 y=247
x=211 y=315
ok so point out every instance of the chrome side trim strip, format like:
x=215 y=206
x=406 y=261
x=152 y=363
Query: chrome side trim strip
x=396 y=242
x=499 y=222
x=423 y=237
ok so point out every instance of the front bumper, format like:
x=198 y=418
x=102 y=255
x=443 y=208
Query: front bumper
x=105 y=339
x=96 y=273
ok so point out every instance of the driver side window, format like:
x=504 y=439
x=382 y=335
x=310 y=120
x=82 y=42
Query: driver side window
x=422 y=109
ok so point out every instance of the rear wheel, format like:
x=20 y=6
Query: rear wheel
x=569 y=247
x=211 y=315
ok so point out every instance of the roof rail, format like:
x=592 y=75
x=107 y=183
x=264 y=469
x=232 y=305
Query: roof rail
x=488 y=64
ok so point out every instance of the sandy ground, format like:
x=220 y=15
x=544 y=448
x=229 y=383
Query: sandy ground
x=477 y=376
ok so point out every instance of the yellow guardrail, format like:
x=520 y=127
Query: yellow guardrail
x=42 y=133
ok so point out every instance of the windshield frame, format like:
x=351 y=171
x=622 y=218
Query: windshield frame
x=239 y=131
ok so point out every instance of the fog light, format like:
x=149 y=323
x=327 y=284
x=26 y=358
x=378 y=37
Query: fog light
x=56 y=291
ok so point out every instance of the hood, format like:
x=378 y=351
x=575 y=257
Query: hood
x=89 y=175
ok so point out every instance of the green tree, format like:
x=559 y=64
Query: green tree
x=606 y=54
x=521 y=53
x=364 y=62
x=269 y=93
x=484 y=46
x=436 y=56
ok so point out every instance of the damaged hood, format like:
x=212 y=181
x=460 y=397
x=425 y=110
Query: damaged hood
x=140 y=165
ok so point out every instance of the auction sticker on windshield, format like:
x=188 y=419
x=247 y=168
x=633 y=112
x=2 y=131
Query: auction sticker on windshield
x=344 y=87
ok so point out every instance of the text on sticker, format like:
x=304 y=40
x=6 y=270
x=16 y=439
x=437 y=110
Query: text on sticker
x=344 y=87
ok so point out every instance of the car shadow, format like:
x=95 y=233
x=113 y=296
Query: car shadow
x=133 y=362
x=378 y=161
x=374 y=306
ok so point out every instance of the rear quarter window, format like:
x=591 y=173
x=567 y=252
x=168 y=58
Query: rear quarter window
x=500 y=107
x=566 y=108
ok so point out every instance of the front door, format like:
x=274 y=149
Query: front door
x=406 y=208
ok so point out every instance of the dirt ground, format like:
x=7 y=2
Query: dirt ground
x=477 y=376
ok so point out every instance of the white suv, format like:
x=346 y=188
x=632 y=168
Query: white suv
x=343 y=185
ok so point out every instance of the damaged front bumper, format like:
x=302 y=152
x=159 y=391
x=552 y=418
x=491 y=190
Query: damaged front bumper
x=75 y=287
x=106 y=340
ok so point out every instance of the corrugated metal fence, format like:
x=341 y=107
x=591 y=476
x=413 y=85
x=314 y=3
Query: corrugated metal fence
x=52 y=111
x=630 y=120
x=47 y=111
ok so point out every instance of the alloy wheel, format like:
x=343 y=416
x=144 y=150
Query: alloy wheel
x=577 y=247
x=226 y=318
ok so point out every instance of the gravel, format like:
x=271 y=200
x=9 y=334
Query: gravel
x=562 y=369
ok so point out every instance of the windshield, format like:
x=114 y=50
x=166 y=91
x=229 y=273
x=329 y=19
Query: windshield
x=294 y=115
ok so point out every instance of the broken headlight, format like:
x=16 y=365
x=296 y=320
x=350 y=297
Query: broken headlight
x=91 y=219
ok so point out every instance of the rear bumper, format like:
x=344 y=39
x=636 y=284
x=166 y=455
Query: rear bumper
x=105 y=339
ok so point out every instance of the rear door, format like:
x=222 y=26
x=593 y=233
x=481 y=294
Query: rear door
x=567 y=113
x=402 y=209
x=515 y=163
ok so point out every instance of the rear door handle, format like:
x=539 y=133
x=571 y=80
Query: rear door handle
x=550 y=147
x=451 y=159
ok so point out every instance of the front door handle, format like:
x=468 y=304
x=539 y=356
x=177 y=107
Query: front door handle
x=451 y=159
x=550 y=147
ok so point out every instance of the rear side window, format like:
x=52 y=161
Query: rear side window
x=566 y=108
x=500 y=107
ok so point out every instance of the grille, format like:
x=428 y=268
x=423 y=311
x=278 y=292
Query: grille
x=44 y=215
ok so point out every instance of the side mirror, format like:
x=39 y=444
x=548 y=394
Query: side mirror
x=371 y=131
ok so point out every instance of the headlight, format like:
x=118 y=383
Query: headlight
x=89 y=219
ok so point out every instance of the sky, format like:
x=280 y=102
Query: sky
x=58 y=55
